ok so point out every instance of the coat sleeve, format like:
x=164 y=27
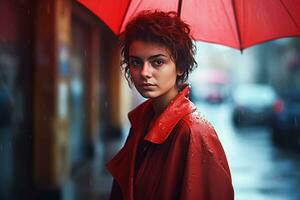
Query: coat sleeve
x=206 y=175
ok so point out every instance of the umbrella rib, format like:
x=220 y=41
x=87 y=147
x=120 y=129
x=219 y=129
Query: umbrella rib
x=179 y=7
x=124 y=16
x=291 y=16
x=237 y=24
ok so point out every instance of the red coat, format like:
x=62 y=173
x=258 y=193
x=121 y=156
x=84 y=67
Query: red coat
x=183 y=159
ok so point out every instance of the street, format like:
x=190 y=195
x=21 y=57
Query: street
x=260 y=171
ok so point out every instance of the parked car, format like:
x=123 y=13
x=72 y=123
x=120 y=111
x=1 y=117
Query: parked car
x=286 y=125
x=209 y=92
x=209 y=85
x=252 y=104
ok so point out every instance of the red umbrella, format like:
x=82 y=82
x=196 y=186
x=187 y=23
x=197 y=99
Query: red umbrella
x=235 y=23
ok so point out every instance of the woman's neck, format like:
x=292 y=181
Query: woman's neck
x=161 y=102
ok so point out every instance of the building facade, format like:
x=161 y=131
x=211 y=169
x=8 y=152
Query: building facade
x=60 y=91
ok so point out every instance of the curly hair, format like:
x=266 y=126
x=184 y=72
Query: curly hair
x=163 y=28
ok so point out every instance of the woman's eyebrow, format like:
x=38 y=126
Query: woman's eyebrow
x=151 y=57
x=155 y=56
x=136 y=57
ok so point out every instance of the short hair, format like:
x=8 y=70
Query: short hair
x=163 y=28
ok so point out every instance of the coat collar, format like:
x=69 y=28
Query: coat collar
x=122 y=165
x=164 y=124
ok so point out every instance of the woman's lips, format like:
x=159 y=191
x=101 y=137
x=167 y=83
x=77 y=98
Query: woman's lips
x=147 y=85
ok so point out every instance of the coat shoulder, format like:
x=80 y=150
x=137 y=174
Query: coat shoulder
x=204 y=138
x=198 y=125
x=197 y=130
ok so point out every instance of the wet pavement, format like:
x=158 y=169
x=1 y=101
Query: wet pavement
x=259 y=170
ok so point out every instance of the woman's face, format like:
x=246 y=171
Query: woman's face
x=152 y=70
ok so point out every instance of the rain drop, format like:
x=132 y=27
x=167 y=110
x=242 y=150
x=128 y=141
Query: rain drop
x=161 y=126
x=221 y=161
x=210 y=150
x=178 y=112
x=296 y=122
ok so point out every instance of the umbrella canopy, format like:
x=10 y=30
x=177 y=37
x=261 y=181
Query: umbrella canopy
x=234 y=23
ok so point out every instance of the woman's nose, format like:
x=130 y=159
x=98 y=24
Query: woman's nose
x=146 y=70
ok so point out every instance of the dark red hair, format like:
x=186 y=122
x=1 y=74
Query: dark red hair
x=163 y=28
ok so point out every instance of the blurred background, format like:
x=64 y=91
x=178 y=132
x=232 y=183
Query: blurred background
x=64 y=105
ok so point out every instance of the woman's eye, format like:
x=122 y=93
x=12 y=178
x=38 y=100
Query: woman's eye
x=135 y=63
x=157 y=62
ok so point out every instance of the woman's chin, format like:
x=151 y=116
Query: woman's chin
x=148 y=94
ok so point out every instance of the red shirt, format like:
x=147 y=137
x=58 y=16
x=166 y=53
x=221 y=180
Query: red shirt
x=180 y=157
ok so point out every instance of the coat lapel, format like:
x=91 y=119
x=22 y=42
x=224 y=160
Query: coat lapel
x=164 y=124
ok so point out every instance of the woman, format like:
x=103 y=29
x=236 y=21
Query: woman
x=170 y=153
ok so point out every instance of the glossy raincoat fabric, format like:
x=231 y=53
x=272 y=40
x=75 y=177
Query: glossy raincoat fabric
x=178 y=157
